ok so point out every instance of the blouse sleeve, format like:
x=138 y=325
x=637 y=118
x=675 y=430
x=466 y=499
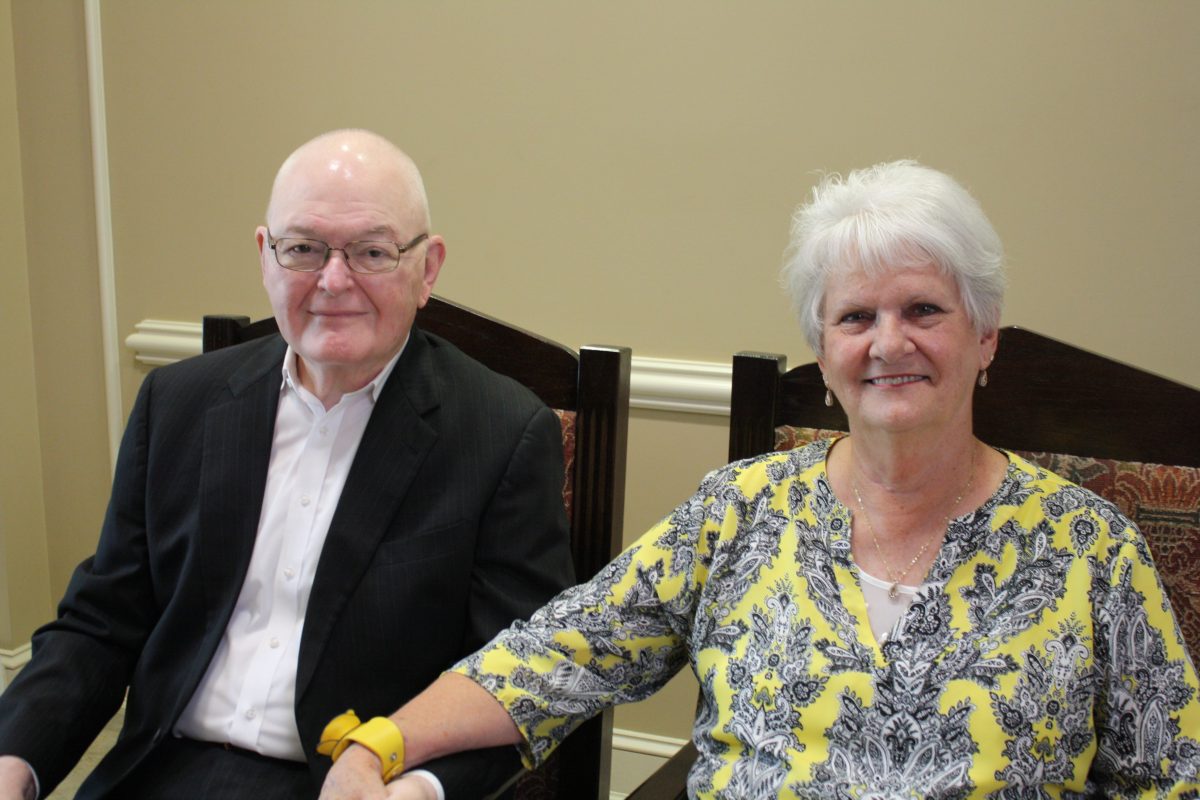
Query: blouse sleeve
x=617 y=638
x=1147 y=712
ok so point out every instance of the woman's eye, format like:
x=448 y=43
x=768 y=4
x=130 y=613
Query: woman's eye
x=925 y=309
x=855 y=316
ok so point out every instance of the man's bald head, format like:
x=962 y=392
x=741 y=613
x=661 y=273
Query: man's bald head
x=340 y=195
x=349 y=156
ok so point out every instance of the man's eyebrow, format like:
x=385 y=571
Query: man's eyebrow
x=305 y=232
x=299 y=231
x=381 y=230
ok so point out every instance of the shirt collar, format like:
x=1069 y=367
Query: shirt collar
x=290 y=374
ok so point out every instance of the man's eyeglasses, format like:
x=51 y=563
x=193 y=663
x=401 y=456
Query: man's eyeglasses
x=311 y=255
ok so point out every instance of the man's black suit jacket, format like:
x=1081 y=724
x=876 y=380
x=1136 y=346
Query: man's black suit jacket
x=450 y=526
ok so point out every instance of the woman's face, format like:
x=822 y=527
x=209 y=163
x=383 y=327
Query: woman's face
x=900 y=353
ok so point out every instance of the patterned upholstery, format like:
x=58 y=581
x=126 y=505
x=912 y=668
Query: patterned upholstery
x=542 y=783
x=788 y=437
x=566 y=419
x=1163 y=500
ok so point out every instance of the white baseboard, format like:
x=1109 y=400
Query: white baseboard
x=11 y=662
x=635 y=756
x=163 y=341
x=661 y=384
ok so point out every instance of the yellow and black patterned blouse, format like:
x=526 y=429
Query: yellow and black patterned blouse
x=1040 y=658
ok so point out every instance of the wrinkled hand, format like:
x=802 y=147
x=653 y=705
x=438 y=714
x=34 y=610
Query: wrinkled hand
x=16 y=782
x=355 y=776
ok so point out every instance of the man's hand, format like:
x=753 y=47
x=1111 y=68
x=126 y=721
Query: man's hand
x=354 y=776
x=411 y=787
x=16 y=781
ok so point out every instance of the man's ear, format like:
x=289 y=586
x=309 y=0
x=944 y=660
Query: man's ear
x=435 y=256
x=260 y=236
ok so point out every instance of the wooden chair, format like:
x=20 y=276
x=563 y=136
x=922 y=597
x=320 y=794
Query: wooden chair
x=1102 y=424
x=589 y=391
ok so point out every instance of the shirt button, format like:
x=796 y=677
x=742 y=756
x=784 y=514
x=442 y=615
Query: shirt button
x=324 y=431
x=305 y=500
x=274 y=642
x=289 y=573
x=250 y=714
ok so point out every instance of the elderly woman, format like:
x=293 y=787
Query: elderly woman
x=901 y=612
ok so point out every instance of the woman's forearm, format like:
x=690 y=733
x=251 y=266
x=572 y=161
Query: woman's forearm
x=452 y=715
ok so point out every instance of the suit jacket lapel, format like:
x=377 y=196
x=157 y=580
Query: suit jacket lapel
x=394 y=444
x=233 y=476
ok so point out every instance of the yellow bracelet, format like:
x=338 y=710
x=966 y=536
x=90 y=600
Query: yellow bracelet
x=335 y=731
x=379 y=735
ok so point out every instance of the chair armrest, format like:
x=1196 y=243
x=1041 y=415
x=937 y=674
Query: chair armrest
x=669 y=782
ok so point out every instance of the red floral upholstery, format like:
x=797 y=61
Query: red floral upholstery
x=1163 y=500
x=788 y=437
x=542 y=784
x=566 y=419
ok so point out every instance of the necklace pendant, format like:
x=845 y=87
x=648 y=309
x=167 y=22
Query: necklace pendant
x=894 y=590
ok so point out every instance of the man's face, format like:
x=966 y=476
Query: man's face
x=338 y=321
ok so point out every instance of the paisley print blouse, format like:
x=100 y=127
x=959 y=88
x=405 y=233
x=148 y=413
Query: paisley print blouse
x=1040 y=659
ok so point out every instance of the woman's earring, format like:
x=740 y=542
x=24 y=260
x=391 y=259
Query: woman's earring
x=828 y=394
x=982 y=378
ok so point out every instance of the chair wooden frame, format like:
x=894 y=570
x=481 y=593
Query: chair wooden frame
x=593 y=383
x=1043 y=395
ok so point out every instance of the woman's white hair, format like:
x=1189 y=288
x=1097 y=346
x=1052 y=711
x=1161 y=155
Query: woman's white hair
x=891 y=216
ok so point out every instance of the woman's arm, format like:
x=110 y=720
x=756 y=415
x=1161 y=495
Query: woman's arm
x=452 y=715
x=1148 y=711
x=573 y=658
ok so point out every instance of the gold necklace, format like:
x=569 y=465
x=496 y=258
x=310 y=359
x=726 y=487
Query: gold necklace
x=893 y=590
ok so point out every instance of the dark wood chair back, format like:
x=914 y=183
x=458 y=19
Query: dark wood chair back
x=1043 y=397
x=593 y=386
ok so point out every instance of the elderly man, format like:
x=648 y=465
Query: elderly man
x=299 y=525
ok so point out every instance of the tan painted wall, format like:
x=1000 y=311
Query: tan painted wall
x=51 y=79
x=619 y=172
x=24 y=580
x=638 y=162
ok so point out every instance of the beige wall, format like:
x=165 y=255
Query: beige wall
x=69 y=449
x=619 y=172
x=24 y=582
